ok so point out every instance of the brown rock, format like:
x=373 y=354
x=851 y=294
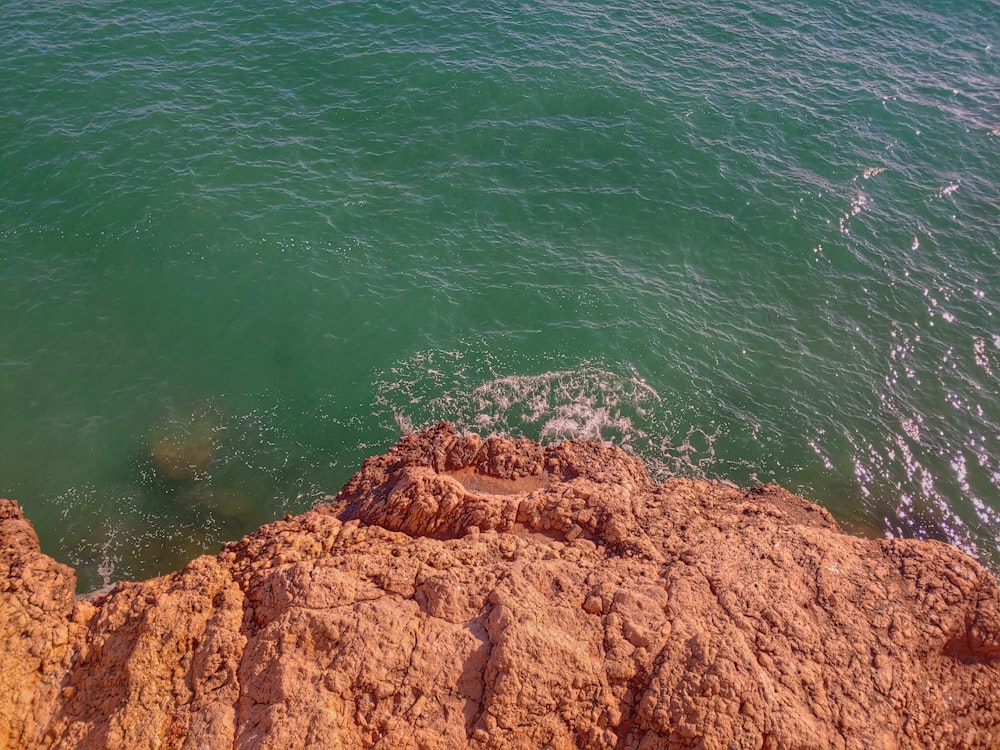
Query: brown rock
x=181 y=449
x=36 y=597
x=462 y=592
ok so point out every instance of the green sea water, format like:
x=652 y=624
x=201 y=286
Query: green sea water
x=245 y=245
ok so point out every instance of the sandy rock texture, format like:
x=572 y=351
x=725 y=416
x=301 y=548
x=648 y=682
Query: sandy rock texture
x=462 y=592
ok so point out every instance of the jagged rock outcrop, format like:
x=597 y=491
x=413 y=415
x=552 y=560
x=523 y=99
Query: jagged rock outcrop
x=462 y=592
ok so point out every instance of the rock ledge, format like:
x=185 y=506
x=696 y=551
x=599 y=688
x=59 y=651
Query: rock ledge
x=461 y=592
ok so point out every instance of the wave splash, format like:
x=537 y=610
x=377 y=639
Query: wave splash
x=590 y=401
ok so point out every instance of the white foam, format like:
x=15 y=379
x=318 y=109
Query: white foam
x=590 y=401
x=947 y=190
x=858 y=204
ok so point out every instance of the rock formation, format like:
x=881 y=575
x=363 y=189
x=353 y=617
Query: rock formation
x=462 y=592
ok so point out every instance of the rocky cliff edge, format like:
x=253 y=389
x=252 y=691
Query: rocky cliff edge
x=462 y=592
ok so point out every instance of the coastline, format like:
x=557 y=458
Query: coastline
x=469 y=592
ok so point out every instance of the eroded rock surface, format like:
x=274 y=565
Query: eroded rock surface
x=462 y=592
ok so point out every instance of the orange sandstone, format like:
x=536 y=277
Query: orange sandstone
x=462 y=592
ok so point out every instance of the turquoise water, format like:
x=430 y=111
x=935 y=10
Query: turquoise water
x=244 y=245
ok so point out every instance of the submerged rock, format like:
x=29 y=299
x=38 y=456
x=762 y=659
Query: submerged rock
x=182 y=449
x=461 y=592
x=225 y=503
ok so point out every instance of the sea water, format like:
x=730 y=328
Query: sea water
x=244 y=245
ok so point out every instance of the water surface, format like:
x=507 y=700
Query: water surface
x=244 y=245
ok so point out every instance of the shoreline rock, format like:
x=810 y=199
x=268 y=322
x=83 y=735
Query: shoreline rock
x=494 y=593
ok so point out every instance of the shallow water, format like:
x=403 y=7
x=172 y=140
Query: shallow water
x=741 y=243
